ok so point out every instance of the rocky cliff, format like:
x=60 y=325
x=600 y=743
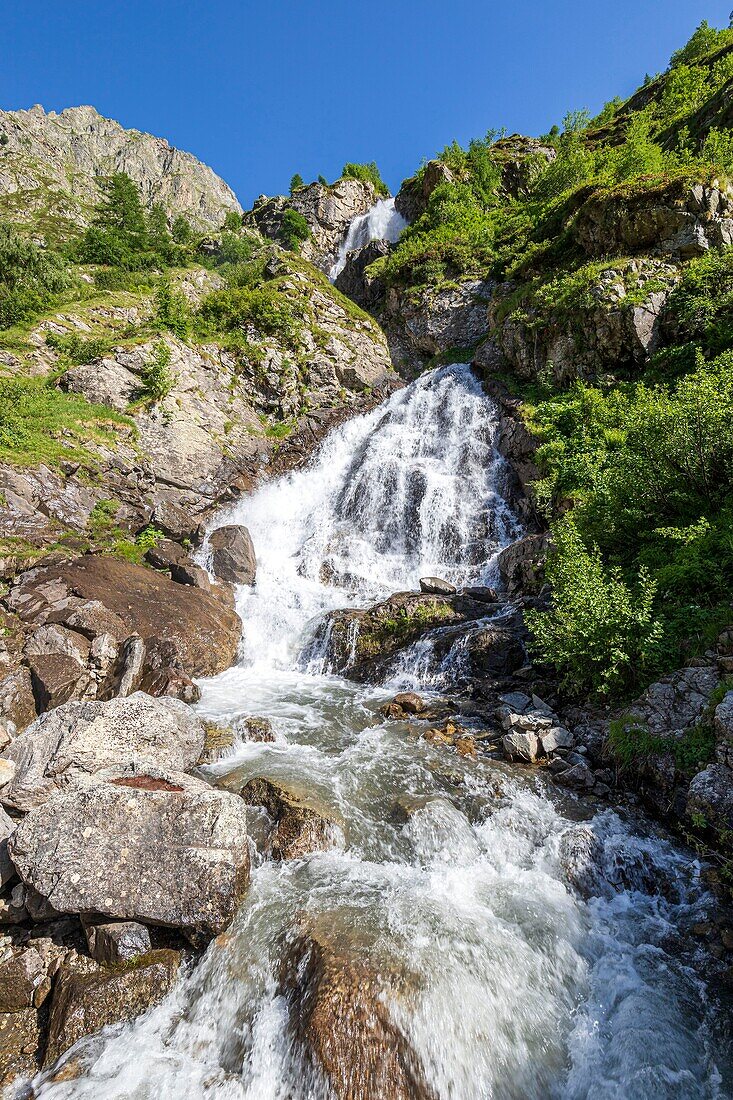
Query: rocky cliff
x=49 y=163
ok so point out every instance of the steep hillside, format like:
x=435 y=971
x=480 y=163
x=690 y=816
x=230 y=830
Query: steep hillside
x=49 y=165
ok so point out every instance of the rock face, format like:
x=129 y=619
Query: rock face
x=678 y=219
x=147 y=851
x=414 y=194
x=78 y=740
x=87 y=997
x=51 y=161
x=521 y=565
x=328 y=210
x=419 y=328
x=334 y=992
x=355 y=281
x=98 y=627
x=233 y=555
x=616 y=326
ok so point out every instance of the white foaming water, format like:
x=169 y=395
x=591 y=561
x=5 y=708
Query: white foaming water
x=529 y=969
x=381 y=223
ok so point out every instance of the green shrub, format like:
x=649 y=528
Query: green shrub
x=76 y=349
x=232 y=221
x=368 y=173
x=172 y=311
x=30 y=277
x=705 y=40
x=294 y=230
x=599 y=634
x=263 y=308
x=157 y=377
x=296 y=183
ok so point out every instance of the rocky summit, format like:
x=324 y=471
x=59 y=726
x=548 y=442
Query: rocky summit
x=366 y=616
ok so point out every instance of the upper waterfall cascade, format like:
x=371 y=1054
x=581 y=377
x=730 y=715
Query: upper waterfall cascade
x=527 y=975
x=381 y=223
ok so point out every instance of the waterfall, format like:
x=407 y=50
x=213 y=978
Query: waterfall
x=381 y=223
x=540 y=947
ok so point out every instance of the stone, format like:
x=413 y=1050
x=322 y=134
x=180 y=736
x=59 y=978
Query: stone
x=255 y=729
x=20 y=975
x=20 y=1042
x=302 y=822
x=521 y=564
x=710 y=797
x=17 y=701
x=81 y=739
x=189 y=573
x=57 y=639
x=521 y=745
x=88 y=997
x=409 y=701
x=556 y=738
x=335 y=990
x=494 y=652
x=117 y=942
x=151 y=852
x=232 y=555
x=723 y=726
x=13 y=908
x=517 y=701
x=165 y=554
x=7 y=828
x=147 y=603
x=56 y=679
x=482 y=594
x=7 y=770
x=578 y=777
x=435 y=586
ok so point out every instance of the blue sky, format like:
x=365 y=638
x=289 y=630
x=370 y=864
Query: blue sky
x=260 y=90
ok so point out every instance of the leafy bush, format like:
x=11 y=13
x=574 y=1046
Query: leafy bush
x=232 y=221
x=368 y=173
x=30 y=277
x=123 y=235
x=157 y=377
x=264 y=309
x=296 y=183
x=705 y=40
x=76 y=349
x=599 y=634
x=294 y=230
x=171 y=310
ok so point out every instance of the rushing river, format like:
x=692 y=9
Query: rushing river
x=528 y=981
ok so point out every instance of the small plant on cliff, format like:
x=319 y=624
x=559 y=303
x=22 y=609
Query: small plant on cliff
x=30 y=277
x=157 y=377
x=599 y=634
x=294 y=230
x=296 y=183
x=171 y=310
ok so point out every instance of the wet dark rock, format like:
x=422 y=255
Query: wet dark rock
x=356 y=282
x=88 y=997
x=435 y=586
x=165 y=554
x=482 y=594
x=190 y=573
x=521 y=564
x=302 y=822
x=233 y=555
x=20 y=976
x=255 y=729
x=578 y=777
x=336 y=990
x=495 y=652
x=409 y=701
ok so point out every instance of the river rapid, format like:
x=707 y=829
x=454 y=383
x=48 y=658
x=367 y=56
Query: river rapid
x=532 y=974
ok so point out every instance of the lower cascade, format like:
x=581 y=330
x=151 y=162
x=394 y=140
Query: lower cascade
x=488 y=938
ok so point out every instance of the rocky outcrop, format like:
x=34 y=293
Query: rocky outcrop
x=49 y=165
x=413 y=196
x=521 y=160
x=88 y=997
x=328 y=210
x=233 y=555
x=164 y=851
x=677 y=219
x=521 y=564
x=78 y=740
x=355 y=279
x=335 y=990
x=98 y=627
x=615 y=325
x=418 y=328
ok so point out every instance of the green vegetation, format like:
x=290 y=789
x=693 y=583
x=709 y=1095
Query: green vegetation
x=294 y=230
x=39 y=423
x=30 y=277
x=296 y=183
x=157 y=377
x=368 y=173
x=124 y=235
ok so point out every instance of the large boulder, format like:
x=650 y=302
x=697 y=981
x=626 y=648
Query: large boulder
x=142 y=849
x=710 y=799
x=233 y=555
x=723 y=724
x=81 y=739
x=108 y=602
x=521 y=564
x=88 y=997
x=335 y=991
x=302 y=823
x=414 y=195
